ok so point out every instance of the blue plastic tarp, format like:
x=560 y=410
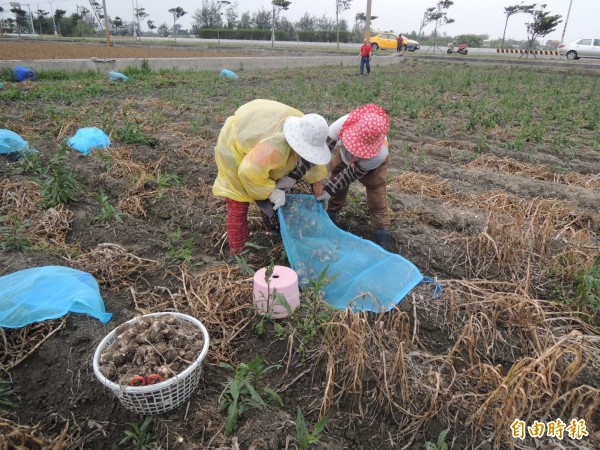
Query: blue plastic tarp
x=228 y=74
x=22 y=73
x=11 y=142
x=367 y=277
x=117 y=76
x=43 y=293
x=88 y=139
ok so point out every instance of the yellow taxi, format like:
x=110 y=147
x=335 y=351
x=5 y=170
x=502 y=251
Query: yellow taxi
x=390 y=41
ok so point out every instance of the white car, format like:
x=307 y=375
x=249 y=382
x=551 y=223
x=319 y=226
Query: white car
x=583 y=48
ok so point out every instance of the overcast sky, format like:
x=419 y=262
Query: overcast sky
x=471 y=16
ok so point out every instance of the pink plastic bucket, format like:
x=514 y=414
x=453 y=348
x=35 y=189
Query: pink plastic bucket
x=283 y=281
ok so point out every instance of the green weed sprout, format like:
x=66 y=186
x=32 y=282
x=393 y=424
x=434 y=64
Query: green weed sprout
x=441 y=442
x=107 y=211
x=241 y=261
x=31 y=162
x=318 y=312
x=13 y=237
x=164 y=180
x=274 y=298
x=179 y=248
x=145 y=66
x=242 y=393
x=588 y=289
x=132 y=134
x=305 y=438
x=5 y=396
x=60 y=184
x=139 y=436
x=104 y=158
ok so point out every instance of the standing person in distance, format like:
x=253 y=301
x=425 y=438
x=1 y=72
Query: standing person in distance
x=362 y=156
x=399 y=43
x=366 y=52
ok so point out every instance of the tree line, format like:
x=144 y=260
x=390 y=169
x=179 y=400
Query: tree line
x=213 y=15
x=222 y=19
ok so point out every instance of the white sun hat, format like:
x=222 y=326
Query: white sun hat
x=307 y=135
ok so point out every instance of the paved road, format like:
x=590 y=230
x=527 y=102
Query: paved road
x=483 y=55
x=190 y=41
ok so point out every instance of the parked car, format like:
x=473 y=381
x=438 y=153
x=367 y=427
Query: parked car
x=390 y=40
x=583 y=48
x=412 y=45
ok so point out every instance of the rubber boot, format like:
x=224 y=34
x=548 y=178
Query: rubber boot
x=333 y=216
x=382 y=238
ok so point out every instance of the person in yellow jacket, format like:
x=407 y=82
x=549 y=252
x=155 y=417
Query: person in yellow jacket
x=262 y=151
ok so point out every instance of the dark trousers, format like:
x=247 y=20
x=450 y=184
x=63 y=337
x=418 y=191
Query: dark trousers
x=375 y=183
x=364 y=61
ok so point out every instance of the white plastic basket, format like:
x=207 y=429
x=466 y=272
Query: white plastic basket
x=161 y=397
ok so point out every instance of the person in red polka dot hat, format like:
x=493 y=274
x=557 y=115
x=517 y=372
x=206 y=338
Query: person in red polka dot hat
x=362 y=156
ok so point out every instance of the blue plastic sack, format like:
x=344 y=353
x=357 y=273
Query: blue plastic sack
x=229 y=74
x=367 y=276
x=88 y=139
x=43 y=293
x=116 y=76
x=13 y=145
x=24 y=73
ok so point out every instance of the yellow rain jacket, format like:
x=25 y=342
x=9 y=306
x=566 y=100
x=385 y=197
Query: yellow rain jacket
x=252 y=153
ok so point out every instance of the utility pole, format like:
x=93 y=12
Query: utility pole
x=562 y=38
x=272 y=26
x=18 y=6
x=134 y=21
x=79 y=22
x=31 y=19
x=368 y=21
x=53 y=21
x=137 y=20
x=106 y=29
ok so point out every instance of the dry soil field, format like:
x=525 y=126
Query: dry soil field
x=26 y=50
x=494 y=189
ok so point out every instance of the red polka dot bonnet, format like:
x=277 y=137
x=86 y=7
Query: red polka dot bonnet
x=364 y=131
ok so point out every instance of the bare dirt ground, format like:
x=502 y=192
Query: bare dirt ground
x=27 y=50
x=493 y=187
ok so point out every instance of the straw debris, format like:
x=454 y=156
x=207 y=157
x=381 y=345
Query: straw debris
x=53 y=433
x=522 y=240
x=424 y=185
x=17 y=344
x=112 y=265
x=512 y=166
x=219 y=297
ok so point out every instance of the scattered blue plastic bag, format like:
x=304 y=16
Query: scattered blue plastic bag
x=88 y=139
x=43 y=293
x=13 y=146
x=24 y=73
x=116 y=76
x=367 y=277
x=229 y=74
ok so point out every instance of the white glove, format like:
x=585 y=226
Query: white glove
x=277 y=197
x=285 y=183
x=324 y=197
